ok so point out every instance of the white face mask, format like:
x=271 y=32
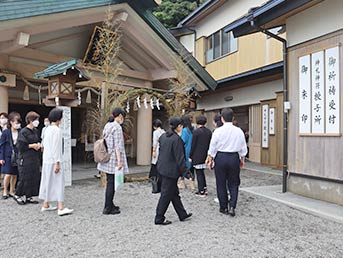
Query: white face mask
x=121 y=121
x=17 y=126
x=35 y=123
x=46 y=124
x=3 y=121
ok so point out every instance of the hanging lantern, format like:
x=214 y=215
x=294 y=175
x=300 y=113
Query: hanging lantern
x=57 y=101
x=128 y=107
x=158 y=104
x=26 y=94
x=62 y=79
x=89 y=97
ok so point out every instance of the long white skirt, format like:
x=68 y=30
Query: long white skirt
x=52 y=184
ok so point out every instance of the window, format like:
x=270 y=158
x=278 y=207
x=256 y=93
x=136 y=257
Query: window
x=216 y=44
x=220 y=44
x=209 y=52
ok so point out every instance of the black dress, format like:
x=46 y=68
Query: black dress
x=28 y=167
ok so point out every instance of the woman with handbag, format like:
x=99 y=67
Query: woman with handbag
x=171 y=165
x=8 y=154
x=28 y=162
x=154 y=176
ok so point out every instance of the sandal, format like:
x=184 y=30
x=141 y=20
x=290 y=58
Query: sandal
x=19 y=200
x=4 y=197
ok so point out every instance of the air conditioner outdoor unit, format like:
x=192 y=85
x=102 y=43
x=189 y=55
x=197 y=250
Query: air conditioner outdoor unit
x=7 y=80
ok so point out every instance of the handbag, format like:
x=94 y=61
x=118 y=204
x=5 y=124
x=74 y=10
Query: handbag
x=156 y=184
x=14 y=155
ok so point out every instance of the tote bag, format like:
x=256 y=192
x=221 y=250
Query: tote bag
x=118 y=178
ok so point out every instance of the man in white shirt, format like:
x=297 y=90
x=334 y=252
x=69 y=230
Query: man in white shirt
x=226 y=154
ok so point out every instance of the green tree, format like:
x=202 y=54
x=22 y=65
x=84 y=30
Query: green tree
x=171 y=12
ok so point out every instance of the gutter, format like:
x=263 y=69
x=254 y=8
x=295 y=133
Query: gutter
x=285 y=99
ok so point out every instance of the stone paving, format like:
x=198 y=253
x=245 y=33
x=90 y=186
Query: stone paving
x=261 y=228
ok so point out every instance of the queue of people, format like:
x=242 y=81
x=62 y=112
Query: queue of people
x=20 y=151
x=175 y=154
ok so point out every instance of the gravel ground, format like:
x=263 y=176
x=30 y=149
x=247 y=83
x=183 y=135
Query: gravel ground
x=261 y=228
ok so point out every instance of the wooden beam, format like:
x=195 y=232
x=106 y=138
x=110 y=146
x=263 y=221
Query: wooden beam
x=146 y=43
x=21 y=40
x=130 y=61
x=40 y=55
x=163 y=74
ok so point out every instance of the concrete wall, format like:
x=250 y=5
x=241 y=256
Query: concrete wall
x=242 y=96
x=317 y=189
x=226 y=14
x=314 y=22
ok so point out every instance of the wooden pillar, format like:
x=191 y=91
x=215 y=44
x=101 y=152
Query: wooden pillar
x=3 y=99
x=144 y=133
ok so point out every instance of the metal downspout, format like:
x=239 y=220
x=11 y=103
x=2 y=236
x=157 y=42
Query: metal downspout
x=285 y=99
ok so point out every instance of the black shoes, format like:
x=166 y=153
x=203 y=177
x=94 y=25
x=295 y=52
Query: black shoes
x=231 y=212
x=187 y=217
x=164 y=223
x=115 y=210
x=224 y=211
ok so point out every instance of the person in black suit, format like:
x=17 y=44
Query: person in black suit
x=171 y=165
x=200 y=143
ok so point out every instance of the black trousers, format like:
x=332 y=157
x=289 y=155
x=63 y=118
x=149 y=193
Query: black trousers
x=169 y=193
x=201 y=179
x=227 y=170
x=109 y=194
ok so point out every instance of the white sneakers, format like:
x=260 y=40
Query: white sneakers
x=50 y=208
x=65 y=211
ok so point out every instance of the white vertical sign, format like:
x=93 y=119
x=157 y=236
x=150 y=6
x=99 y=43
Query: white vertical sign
x=66 y=135
x=265 y=121
x=318 y=92
x=332 y=101
x=305 y=94
x=272 y=121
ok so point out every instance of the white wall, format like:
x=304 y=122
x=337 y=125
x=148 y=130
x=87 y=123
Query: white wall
x=242 y=96
x=188 y=42
x=227 y=13
x=314 y=22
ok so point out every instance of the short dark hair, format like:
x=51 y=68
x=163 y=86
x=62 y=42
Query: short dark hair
x=218 y=120
x=55 y=115
x=118 y=111
x=13 y=116
x=201 y=120
x=4 y=114
x=227 y=114
x=31 y=116
x=174 y=122
x=157 y=123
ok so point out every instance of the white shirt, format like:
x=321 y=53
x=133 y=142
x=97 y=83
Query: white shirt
x=52 y=145
x=228 y=138
x=155 y=143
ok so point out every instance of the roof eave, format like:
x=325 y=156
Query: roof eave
x=263 y=15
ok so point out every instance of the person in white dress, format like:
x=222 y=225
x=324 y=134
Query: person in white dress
x=52 y=181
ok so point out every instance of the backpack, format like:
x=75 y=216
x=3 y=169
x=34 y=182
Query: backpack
x=101 y=154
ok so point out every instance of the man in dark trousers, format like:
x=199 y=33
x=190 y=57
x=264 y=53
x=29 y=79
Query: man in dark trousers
x=171 y=165
x=226 y=153
x=200 y=143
